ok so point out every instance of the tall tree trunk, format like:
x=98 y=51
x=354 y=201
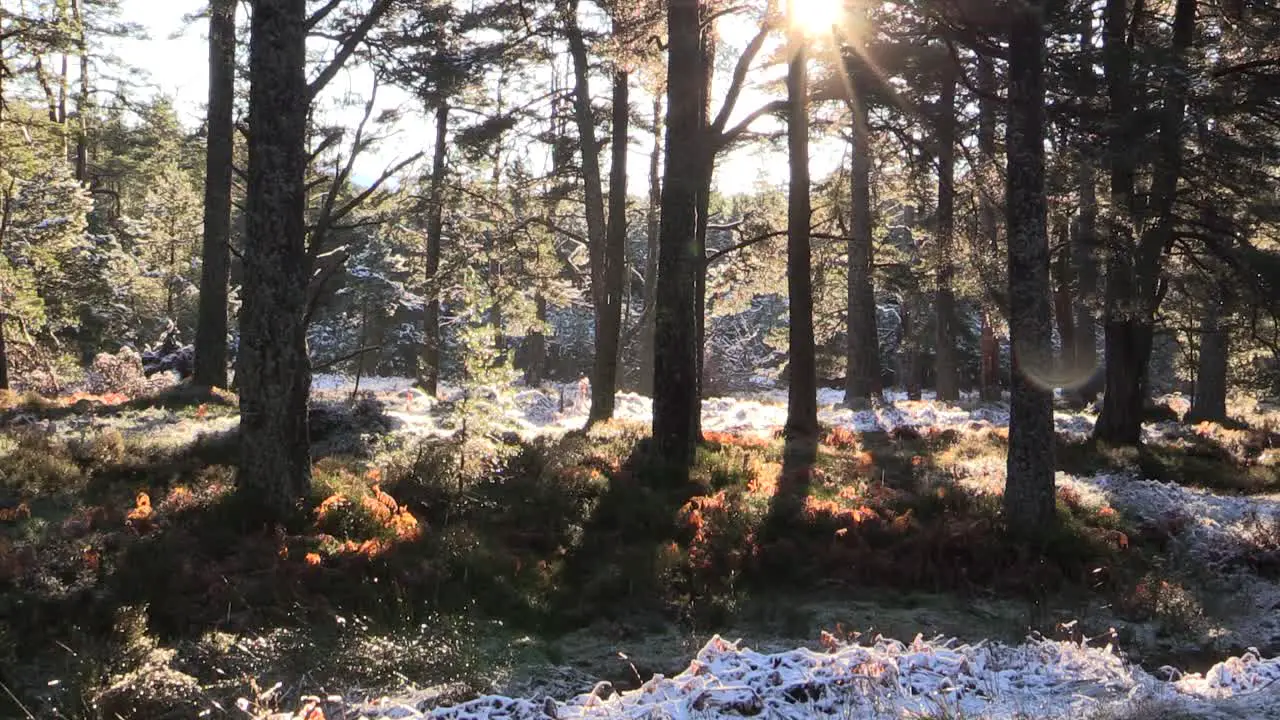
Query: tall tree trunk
x=1084 y=247
x=275 y=467
x=6 y=207
x=215 y=271
x=988 y=229
x=604 y=372
x=536 y=368
x=84 y=99
x=651 y=251
x=1063 y=307
x=675 y=392
x=4 y=355
x=911 y=352
x=1134 y=286
x=1210 y=399
x=802 y=394
x=429 y=375
x=862 y=357
x=1127 y=342
x=1029 y=491
x=614 y=257
x=944 y=300
x=707 y=48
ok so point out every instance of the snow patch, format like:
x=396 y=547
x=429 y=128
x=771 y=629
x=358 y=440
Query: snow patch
x=883 y=679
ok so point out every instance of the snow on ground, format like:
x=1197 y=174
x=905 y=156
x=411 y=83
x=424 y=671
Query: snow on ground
x=891 y=679
x=1213 y=527
x=557 y=408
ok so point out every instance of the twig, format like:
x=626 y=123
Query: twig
x=16 y=701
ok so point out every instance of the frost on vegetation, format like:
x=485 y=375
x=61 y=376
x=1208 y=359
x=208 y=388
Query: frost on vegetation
x=1213 y=527
x=884 y=679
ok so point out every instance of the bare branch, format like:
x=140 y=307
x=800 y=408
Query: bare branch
x=345 y=50
x=321 y=13
x=732 y=134
x=739 y=79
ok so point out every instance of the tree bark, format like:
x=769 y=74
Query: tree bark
x=675 y=401
x=651 y=252
x=6 y=208
x=1134 y=273
x=1063 y=307
x=429 y=375
x=211 y=321
x=4 y=356
x=84 y=99
x=1210 y=399
x=275 y=468
x=988 y=230
x=862 y=357
x=707 y=50
x=1084 y=247
x=614 y=256
x=802 y=394
x=1029 y=489
x=536 y=368
x=1124 y=337
x=604 y=369
x=946 y=380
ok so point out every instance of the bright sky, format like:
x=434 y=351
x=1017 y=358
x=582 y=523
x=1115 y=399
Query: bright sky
x=174 y=62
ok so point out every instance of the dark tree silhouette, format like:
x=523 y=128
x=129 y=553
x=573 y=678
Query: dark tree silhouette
x=675 y=392
x=211 y=323
x=1029 y=493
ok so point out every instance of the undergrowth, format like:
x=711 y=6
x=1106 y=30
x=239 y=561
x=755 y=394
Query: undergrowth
x=98 y=527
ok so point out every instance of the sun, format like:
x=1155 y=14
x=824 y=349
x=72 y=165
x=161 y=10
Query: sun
x=815 y=17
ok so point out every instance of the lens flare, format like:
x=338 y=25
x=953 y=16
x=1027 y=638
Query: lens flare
x=815 y=17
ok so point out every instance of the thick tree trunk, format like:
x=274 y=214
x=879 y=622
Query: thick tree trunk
x=1210 y=399
x=429 y=373
x=946 y=380
x=215 y=271
x=1133 y=274
x=675 y=401
x=1029 y=491
x=988 y=230
x=802 y=394
x=275 y=467
x=604 y=383
x=651 y=252
x=862 y=357
x=1128 y=344
x=1124 y=334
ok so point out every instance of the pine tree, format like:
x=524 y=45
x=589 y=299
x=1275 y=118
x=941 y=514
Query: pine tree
x=1029 y=494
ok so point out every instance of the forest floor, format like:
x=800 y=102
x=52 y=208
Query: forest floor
x=483 y=549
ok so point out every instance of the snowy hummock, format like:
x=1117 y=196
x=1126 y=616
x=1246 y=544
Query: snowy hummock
x=888 y=679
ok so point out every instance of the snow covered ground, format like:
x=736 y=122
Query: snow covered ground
x=890 y=679
x=559 y=408
x=886 y=678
